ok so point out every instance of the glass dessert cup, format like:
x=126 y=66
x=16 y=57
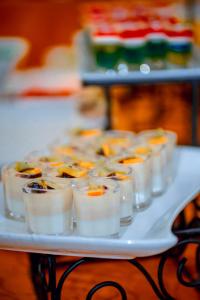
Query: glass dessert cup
x=124 y=177
x=48 y=207
x=160 y=137
x=97 y=207
x=14 y=177
x=69 y=173
x=157 y=166
x=140 y=166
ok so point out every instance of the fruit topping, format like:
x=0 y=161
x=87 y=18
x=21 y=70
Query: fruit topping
x=40 y=186
x=72 y=171
x=88 y=132
x=159 y=138
x=96 y=190
x=131 y=160
x=105 y=150
x=143 y=150
x=66 y=149
x=86 y=164
x=117 y=175
x=47 y=159
x=28 y=170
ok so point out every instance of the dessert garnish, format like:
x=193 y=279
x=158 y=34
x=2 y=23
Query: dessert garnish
x=66 y=149
x=105 y=150
x=117 y=141
x=143 y=150
x=96 y=190
x=47 y=159
x=28 y=170
x=71 y=171
x=39 y=186
x=159 y=138
x=117 y=175
x=88 y=132
x=86 y=164
x=131 y=160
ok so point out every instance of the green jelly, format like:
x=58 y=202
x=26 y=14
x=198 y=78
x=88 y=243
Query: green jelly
x=107 y=56
x=134 y=55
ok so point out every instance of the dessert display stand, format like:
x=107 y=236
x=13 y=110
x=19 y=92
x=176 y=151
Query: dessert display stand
x=151 y=233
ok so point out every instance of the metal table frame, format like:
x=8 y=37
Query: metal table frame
x=43 y=267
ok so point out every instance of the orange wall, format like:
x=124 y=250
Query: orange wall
x=43 y=22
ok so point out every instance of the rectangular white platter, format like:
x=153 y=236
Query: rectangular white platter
x=149 y=234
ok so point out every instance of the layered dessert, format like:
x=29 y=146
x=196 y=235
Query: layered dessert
x=133 y=43
x=168 y=139
x=124 y=177
x=14 y=178
x=157 y=166
x=157 y=44
x=97 y=208
x=48 y=207
x=140 y=167
x=113 y=142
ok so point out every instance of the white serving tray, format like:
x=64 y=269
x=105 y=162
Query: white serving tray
x=149 y=234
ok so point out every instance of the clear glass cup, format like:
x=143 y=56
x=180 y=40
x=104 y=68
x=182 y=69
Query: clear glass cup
x=49 y=207
x=160 y=137
x=157 y=166
x=140 y=166
x=124 y=177
x=69 y=173
x=14 y=179
x=97 y=207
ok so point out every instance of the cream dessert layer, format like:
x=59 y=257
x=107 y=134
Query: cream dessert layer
x=157 y=165
x=48 y=207
x=140 y=167
x=124 y=177
x=97 y=207
x=15 y=176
